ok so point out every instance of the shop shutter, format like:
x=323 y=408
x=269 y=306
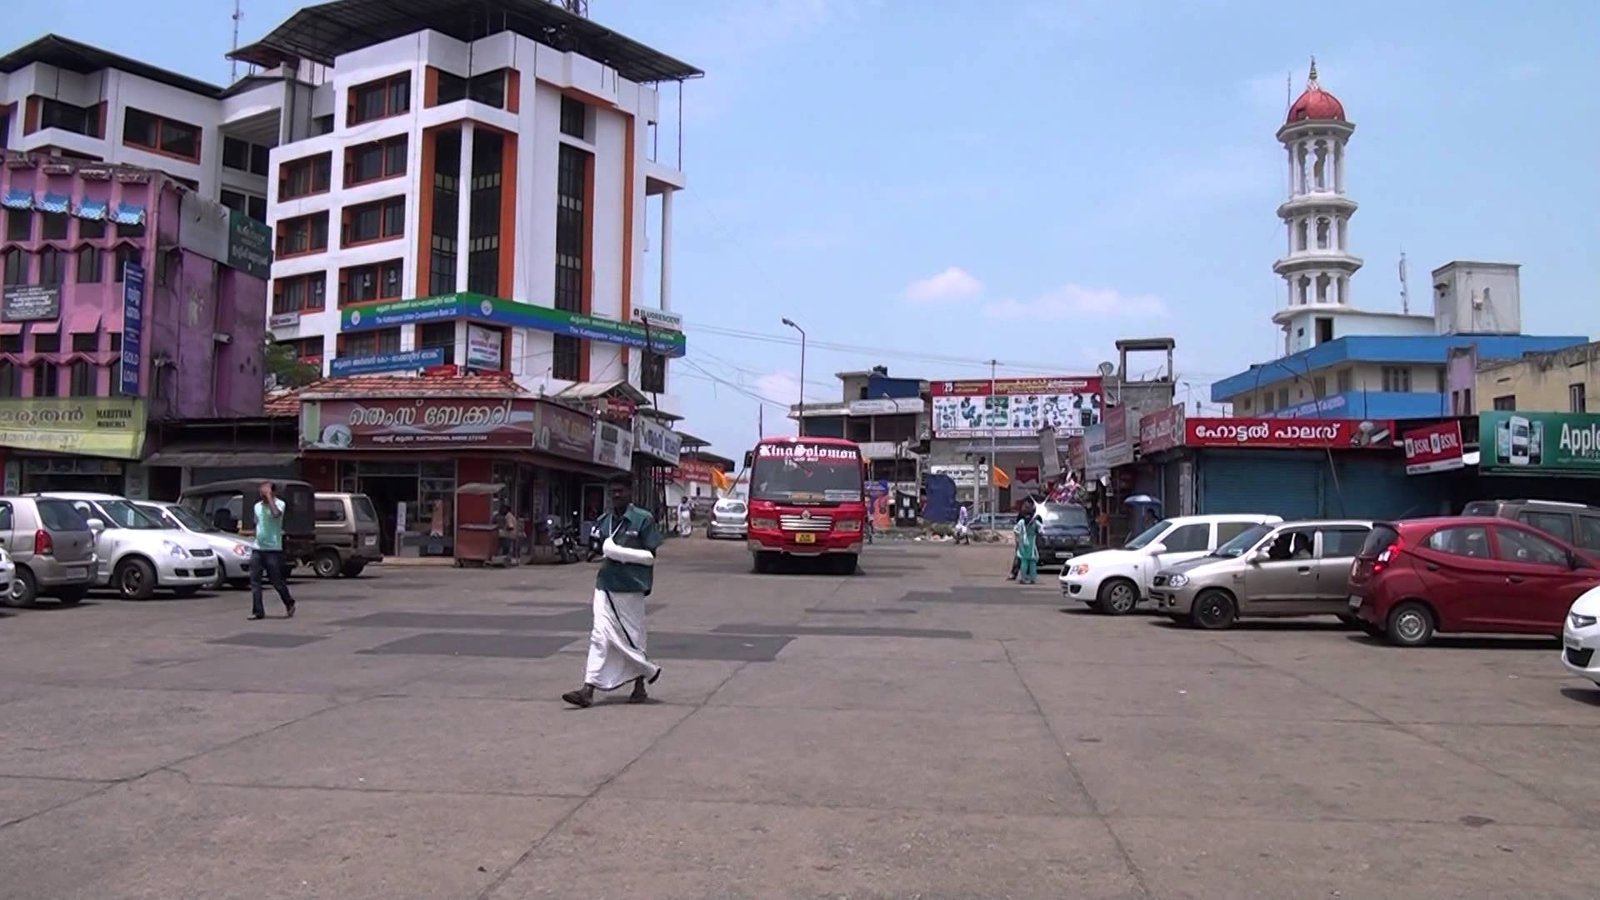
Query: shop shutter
x=1376 y=486
x=1171 y=490
x=1282 y=483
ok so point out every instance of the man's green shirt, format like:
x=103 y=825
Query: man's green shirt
x=636 y=530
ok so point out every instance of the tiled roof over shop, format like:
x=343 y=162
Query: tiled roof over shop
x=402 y=386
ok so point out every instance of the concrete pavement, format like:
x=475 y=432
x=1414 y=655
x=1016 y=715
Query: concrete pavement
x=924 y=729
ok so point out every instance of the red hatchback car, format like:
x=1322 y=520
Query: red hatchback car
x=1465 y=574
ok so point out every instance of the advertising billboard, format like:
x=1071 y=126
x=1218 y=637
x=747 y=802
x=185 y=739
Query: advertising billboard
x=1537 y=443
x=1289 y=433
x=404 y=424
x=1015 y=407
x=1435 y=448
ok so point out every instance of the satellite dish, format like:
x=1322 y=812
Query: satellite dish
x=1107 y=370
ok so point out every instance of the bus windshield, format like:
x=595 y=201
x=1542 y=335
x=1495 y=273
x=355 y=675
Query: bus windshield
x=806 y=473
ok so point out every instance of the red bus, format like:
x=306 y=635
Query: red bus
x=807 y=499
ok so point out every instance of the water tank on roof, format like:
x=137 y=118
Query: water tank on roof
x=1477 y=298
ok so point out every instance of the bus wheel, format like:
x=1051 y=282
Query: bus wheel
x=847 y=563
x=763 y=562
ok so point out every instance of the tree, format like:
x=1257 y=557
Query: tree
x=284 y=368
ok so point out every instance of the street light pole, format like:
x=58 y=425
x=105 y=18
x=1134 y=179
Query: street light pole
x=994 y=491
x=791 y=324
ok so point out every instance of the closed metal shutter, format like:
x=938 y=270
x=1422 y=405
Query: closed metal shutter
x=1376 y=486
x=1170 y=490
x=1281 y=483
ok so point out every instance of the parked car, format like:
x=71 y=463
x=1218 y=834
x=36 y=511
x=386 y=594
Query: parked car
x=233 y=552
x=729 y=518
x=1580 y=636
x=347 y=535
x=1115 y=581
x=1416 y=578
x=992 y=522
x=51 y=547
x=135 y=554
x=1063 y=533
x=1288 y=569
x=1574 y=523
x=231 y=506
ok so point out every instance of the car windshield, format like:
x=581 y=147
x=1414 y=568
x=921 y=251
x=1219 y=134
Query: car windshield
x=733 y=509
x=189 y=520
x=59 y=515
x=1244 y=541
x=122 y=514
x=365 y=514
x=1149 y=535
x=802 y=473
x=1063 y=514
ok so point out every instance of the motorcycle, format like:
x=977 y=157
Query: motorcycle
x=595 y=541
x=564 y=537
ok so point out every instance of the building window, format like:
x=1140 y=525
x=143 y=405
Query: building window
x=572 y=177
x=52 y=266
x=1577 y=399
x=305 y=234
x=244 y=156
x=304 y=177
x=379 y=281
x=441 y=335
x=46 y=380
x=446 y=212
x=91 y=229
x=1466 y=403
x=1397 y=379
x=375 y=161
x=1506 y=403
x=19 y=224
x=301 y=293
x=322 y=125
x=169 y=136
x=16 y=266
x=1345 y=380
x=249 y=204
x=1283 y=398
x=55 y=226
x=1319 y=387
x=653 y=374
x=564 y=357
x=380 y=99
x=305 y=350
x=371 y=343
x=488 y=88
x=11 y=343
x=84 y=120
x=47 y=343
x=130 y=232
x=574 y=118
x=124 y=256
x=483 y=215
x=81 y=380
x=10 y=380
x=377 y=221
x=85 y=343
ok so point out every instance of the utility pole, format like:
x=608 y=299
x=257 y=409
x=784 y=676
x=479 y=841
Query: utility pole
x=994 y=492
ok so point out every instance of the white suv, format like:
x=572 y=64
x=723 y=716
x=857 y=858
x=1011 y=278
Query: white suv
x=136 y=554
x=1115 y=581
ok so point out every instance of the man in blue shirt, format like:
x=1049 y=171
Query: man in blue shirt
x=267 y=557
x=626 y=577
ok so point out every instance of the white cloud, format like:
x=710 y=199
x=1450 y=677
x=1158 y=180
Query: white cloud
x=954 y=283
x=1074 y=301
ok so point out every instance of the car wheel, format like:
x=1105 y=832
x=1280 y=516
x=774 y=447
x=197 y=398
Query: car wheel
x=1118 y=597
x=71 y=596
x=186 y=591
x=327 y=564
x=134 y=579
x=1214 y=610
x=1410 y=625
x=24 y=589
x=221 y=581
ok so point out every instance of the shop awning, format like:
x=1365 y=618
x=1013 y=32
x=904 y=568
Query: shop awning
x=93 y=210
x=128 y=214
x=16 y=198
x=220 y=459
x=55 y=203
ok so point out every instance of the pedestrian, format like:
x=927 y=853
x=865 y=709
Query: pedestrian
x=626 y=578
x=963 y=530
x=267 y=557
x=685 y=518
x=1027 y=531
x=508 y=535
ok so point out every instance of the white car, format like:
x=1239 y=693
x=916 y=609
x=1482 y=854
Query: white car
x=1115 y=581
x=233 y=552
x=135 y=554
x=729 y=518
x=1580 y=637
x=8 y=572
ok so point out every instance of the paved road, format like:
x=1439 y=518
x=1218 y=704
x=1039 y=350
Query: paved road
x=923 y=729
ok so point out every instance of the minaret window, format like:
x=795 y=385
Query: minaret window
x=1319 y=169
x=1303 y=231
x=1323 y=229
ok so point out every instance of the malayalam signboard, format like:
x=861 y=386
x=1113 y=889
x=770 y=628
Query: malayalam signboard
x=1288 y=433
x=1539 y=443
x=1436 y=448
x=132 y=328
x=499 y=311
x=1015 y=407
x=420 y=422
x=31 y=303
x=565 y=432
x=1161 y=430
x=657 y=440
x=407 y=361
x=613 y=446
x=484 y=347
x=89 y=426
x=249 y=246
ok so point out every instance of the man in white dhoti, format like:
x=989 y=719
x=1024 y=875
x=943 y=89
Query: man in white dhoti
x=626 y=577
x=685 y=518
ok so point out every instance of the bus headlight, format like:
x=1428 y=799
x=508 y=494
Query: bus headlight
x=850 y=525
x=764 y=523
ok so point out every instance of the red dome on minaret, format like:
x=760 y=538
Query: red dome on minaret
x=1315 y=103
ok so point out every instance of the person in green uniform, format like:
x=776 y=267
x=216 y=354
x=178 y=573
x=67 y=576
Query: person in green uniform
x=1027 y=532
x=626 y=577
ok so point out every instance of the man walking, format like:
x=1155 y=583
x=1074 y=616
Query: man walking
x=268 y=553
x=626 y=577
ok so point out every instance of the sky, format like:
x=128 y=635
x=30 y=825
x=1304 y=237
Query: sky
x=932 y=184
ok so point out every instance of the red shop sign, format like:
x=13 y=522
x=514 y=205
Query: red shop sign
x=1161 y=430
x=694 y=470
x=1436 y=448
x=1295 y=433
x=1116 y=422
x=412 y=423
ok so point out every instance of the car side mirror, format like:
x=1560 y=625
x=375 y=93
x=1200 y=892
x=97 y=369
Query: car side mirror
x=1156 y=549
x=1258 y=557
x=97 y=525
x=1574 y=561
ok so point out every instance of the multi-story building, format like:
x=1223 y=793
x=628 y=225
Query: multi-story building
x=1344 y=361
x=127 y=298
x=887 y=416
x=1566 y=381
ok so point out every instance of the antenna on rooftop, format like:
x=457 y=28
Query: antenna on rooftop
x=238 y=13
x=1405 y=287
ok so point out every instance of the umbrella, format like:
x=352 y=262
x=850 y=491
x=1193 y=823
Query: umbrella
x=1142 y=500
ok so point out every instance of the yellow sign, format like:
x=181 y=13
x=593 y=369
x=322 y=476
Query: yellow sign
x=91 y=426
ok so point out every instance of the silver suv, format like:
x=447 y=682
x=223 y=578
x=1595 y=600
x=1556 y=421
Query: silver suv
x=137 y=555
x=53 y=549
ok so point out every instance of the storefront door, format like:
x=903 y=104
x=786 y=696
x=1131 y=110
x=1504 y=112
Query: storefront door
x=387 y=493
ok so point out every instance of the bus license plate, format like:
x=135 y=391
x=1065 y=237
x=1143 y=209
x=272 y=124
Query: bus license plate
x=805 y=539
